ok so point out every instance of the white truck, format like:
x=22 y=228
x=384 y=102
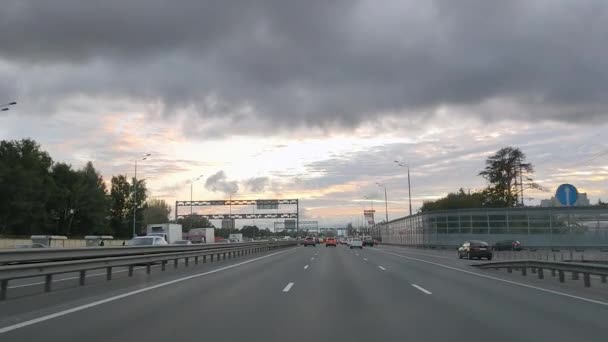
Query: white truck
x=171 y=232
x=201 y=235
x=236 y=237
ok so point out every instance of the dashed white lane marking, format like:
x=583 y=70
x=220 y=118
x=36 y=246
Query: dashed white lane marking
x=365 y=259
x=498 y=279
x=288 y=287
x=313 y=258
x=305 y=267
x=382 y=268
x=130 y=293
x=422 y=289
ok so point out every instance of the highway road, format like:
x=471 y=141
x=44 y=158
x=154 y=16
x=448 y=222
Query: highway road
x=311 y=294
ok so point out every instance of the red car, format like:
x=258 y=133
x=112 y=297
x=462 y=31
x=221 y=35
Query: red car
x=330 y=241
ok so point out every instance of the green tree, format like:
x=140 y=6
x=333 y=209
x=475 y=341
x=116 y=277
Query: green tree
x=189 y=222
x=91 y=215
x=62 y=205
x=120 y=194
x=137 y=201
x=505 y=172
x=250 y=231
x=26 y=185
x=456 y=200
x=156 y=211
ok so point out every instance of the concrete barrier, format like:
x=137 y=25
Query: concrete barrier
x=69 y=243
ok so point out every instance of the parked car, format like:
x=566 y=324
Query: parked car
x=182 y=242
x=368 y=241
x=330 y=241
x=342 y=241
x=507 y=245
x=356 y=243
x=309 y=241
x=147 y=241
x=475 y=249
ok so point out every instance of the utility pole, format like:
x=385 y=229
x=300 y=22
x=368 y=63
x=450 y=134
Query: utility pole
x=191 y=190
x=521 y=182
x=144 y=157
x=409 y=185
x=385 y=200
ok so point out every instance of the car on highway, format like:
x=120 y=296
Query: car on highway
x=309 y=241
x=356 y=243
x=182 y=242
x=368 y=241
x=507 y=245
x=475 y=249
x=148 y=241
x=321 y=240
x=330 y=241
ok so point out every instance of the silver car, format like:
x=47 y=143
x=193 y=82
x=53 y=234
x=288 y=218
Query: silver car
x=356 y=243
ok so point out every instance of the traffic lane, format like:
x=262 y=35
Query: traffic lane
x=27 y=302
x=597 y=290
x=206 y=306
x=595 y=254
x=495 y=308
x=342 y=298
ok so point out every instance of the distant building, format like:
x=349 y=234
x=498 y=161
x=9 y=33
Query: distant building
x=581 y=201
x=228 y=224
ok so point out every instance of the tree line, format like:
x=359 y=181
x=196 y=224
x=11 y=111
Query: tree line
x=507 y=174
x=41 y=196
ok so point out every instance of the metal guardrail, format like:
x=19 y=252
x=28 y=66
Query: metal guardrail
x=531 y=248
x=59 y=254
x=538 y=267
x=50 y=268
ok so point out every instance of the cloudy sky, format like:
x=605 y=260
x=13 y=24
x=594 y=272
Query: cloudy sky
x=311 y=99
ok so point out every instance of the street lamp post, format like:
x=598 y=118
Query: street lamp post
x=409 y=187
x=144 y=157
x=385 y=200
x=191 y=189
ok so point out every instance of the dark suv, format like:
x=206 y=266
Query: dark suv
x=309 y=242
x=475 y=249
x=507 y=245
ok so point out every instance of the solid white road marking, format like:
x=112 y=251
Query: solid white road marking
x=72 y=278
x=131 y=293
x=288 y=287
x=305 y=267
x=382 y=268
x=498 y=279
x=422 y=289
x=365 y=259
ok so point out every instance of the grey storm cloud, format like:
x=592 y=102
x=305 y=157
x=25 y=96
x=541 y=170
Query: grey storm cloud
x=257 y=184
x=310 y=63
x=219 y=182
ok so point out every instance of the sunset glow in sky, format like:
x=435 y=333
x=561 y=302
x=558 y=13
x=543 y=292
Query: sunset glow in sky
x=312 y=100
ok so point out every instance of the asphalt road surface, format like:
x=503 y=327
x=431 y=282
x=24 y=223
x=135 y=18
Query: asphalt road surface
x=311 y=294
